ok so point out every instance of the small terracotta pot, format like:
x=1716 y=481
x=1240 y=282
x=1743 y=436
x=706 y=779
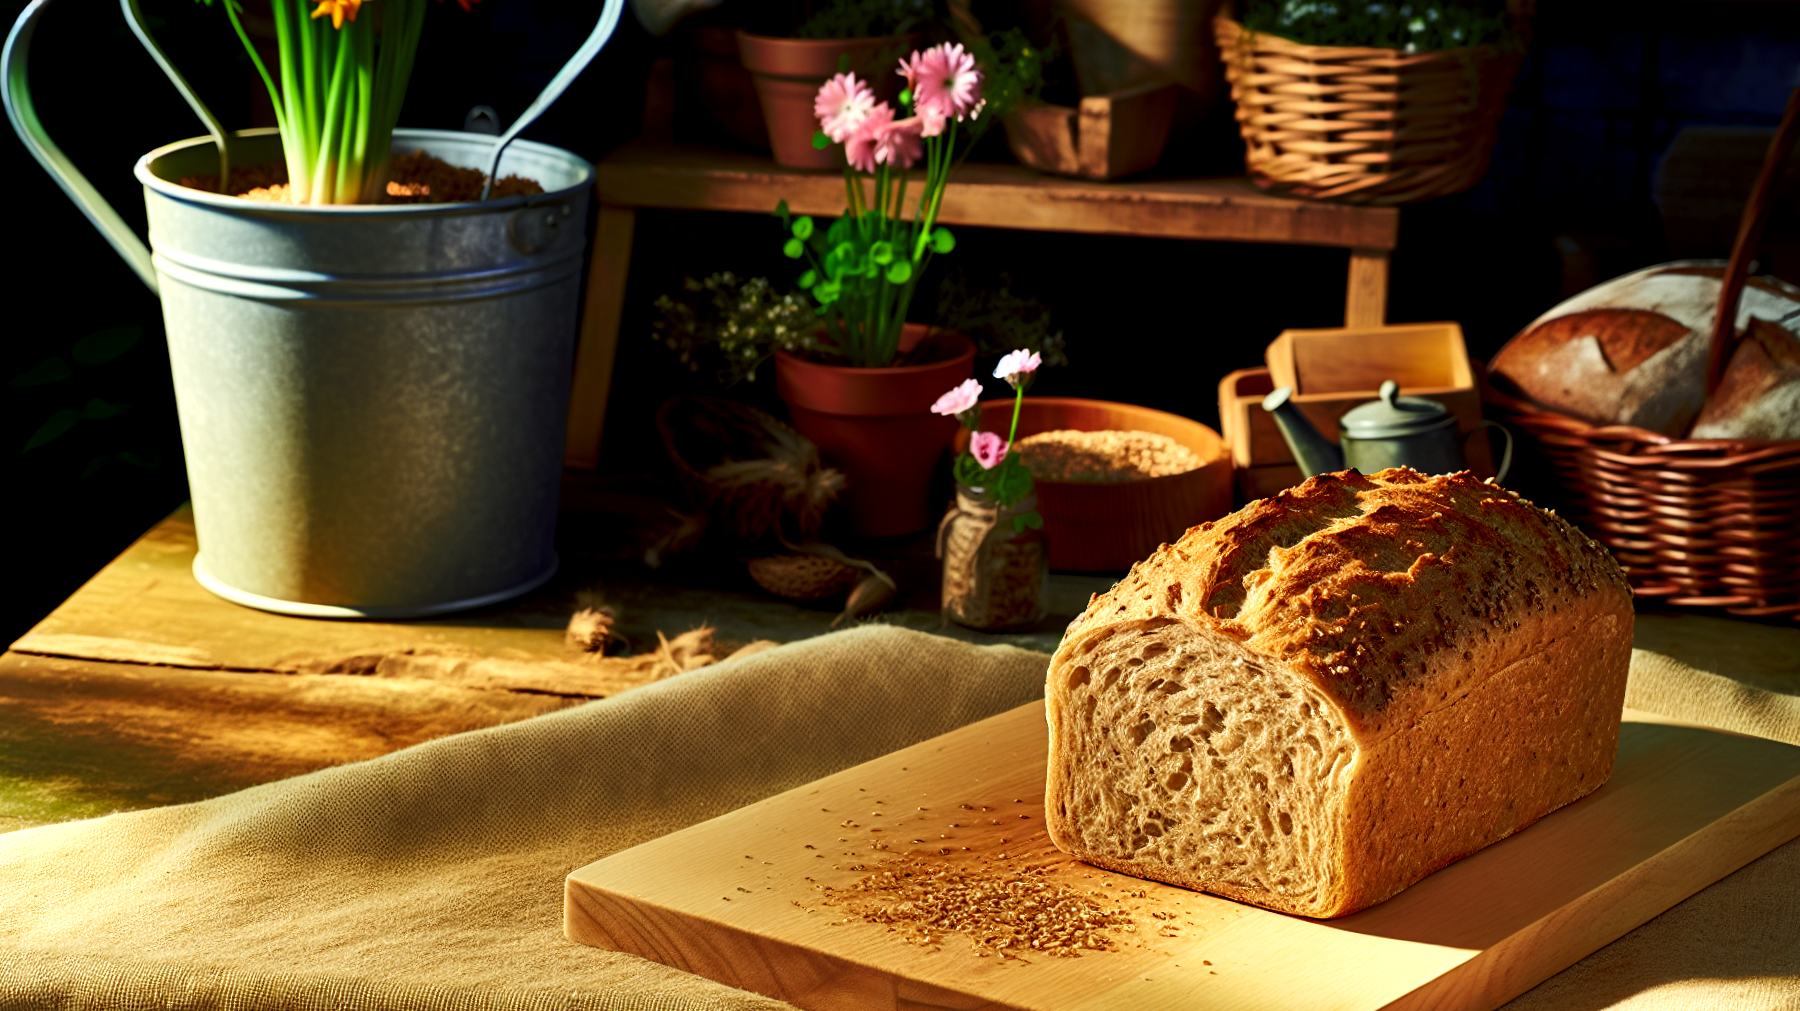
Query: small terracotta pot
x=1109 y=527
x=876 y=426
x=788 y=73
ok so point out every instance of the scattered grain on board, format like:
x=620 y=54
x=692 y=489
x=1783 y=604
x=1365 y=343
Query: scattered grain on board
x=1104 y=457
x=1009 y=911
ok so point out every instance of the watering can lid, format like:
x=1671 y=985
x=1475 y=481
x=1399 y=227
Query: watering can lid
x=1393 y=415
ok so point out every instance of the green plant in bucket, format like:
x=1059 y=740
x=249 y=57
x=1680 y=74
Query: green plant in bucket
x=342 y=78
x=991 y=466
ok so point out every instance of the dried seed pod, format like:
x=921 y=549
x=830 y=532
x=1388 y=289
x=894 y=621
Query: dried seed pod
x=868 y=596
x=801 y=577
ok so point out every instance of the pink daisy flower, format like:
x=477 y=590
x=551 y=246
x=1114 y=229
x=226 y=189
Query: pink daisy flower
x=960 y=398
x=859 y=144
x=898 y=143
x=988 y=449
x=841 y=106
x=945 y=80
x=931 y=122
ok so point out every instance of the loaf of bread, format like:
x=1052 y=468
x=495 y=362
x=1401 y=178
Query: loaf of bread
x=1326 y=696
x=1633 y=351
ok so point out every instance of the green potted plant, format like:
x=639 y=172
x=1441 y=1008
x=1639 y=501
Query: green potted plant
x=372 y=394
x=865 y=398
x=863 y=37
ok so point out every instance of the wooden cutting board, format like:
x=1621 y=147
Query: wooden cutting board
x=746 y=899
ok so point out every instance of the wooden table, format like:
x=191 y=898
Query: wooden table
x=647 y=173
x=142 y=689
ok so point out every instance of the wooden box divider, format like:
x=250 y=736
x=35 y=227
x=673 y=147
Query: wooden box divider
x=1334 y=370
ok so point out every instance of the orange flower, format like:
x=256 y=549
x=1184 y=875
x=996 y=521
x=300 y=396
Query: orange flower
x=339 y=10
x=466 y=5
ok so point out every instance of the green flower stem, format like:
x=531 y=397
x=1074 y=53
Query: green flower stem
x=936 y=178
x=324 y=167
x=255 y=58
x=307 y=102
x=1018 y=403
x=853 y=193
x=337 y=94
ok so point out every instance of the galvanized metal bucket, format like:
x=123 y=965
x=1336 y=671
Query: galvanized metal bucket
x=372 y=398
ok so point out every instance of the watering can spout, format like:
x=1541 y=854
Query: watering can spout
x=1315 y=453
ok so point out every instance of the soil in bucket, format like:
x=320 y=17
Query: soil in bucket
x=414 y=177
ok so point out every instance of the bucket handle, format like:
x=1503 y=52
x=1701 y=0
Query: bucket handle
x=16 y=94
x=134 y=16
x=609 y=20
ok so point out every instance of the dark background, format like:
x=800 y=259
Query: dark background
x=1569 y=200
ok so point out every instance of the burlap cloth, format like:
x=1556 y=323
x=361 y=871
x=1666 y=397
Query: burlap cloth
x=432 y=877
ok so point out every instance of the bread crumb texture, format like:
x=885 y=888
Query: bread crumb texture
x=1327 y=695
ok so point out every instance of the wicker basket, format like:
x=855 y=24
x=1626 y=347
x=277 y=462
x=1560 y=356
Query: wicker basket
x=1706 y=523
x=1364 y=125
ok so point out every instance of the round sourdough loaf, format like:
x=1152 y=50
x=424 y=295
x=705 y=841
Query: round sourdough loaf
x=1632 y=351
x=1322 y=698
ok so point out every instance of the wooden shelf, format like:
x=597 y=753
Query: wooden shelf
x=648 y=173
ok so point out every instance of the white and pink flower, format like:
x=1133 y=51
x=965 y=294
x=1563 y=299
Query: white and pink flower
x=944 y=80
x=1014 y=366
x=842 y=105
x=988 y=449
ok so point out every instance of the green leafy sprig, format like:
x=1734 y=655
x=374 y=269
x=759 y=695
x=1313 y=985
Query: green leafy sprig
x=1412 y=27
x=733 y=326
x=1012 y=68
x=861 y=19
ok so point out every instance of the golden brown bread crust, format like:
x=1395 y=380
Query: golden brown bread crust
x=1315 y=702
x=1391 y=590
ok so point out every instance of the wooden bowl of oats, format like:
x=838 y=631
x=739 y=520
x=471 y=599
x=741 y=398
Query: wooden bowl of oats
x=1114 y=481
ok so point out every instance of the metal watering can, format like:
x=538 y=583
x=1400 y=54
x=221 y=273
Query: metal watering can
x=1393 y=431
x=372 y=398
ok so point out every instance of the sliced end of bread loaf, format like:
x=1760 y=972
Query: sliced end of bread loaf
x=1181 y=756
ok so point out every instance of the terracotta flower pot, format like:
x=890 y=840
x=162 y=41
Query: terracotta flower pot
x=876 y=426
x=788 y=73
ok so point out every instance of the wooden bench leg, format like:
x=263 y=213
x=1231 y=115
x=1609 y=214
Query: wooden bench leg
x=1365 y=302
x=599 y=340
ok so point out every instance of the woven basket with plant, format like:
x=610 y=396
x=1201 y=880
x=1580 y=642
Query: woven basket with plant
x=1369 y=103
x=1664 y=409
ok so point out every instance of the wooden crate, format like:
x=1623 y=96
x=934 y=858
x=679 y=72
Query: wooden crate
x=1106 y=137
x=1333 y=371
x=1426 y=359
